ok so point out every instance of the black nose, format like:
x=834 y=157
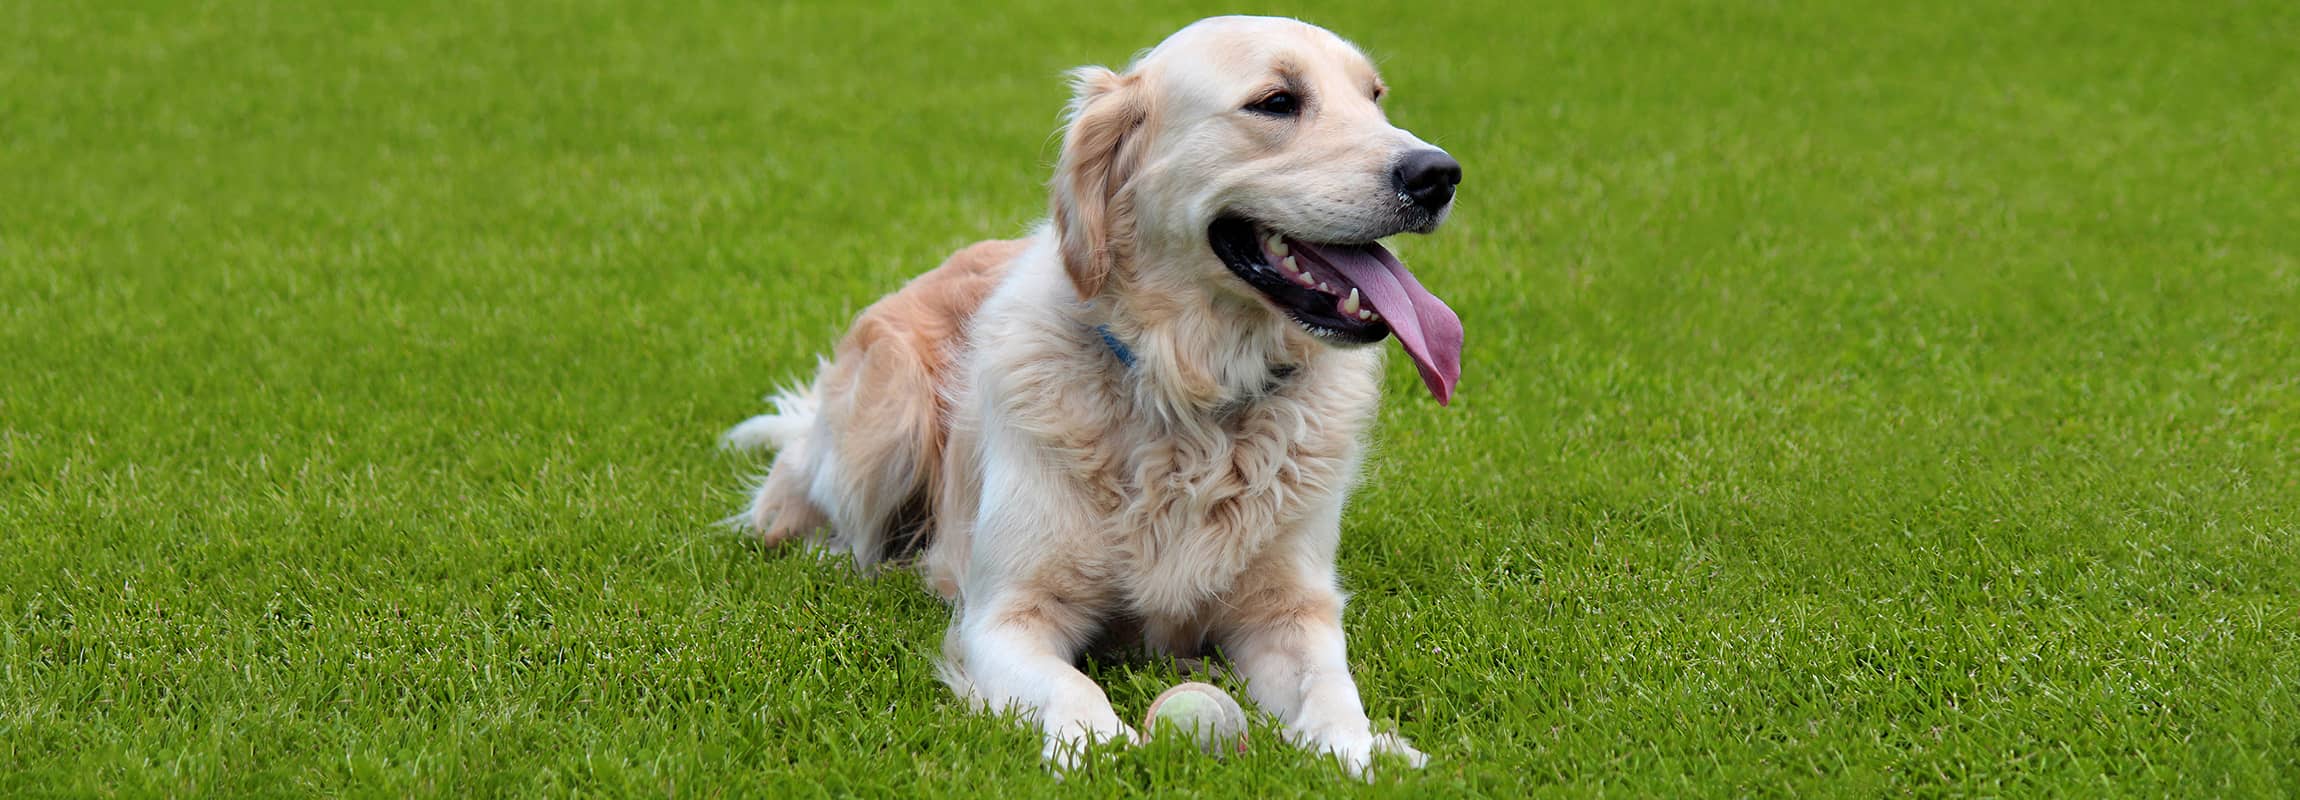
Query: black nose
x=1428 y=177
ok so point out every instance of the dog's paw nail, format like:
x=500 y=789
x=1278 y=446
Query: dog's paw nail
x=1398 y=746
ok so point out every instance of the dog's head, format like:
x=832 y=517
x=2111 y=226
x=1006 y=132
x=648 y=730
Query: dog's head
x=1246 y=162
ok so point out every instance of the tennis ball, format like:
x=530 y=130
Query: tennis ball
x=1209 y=715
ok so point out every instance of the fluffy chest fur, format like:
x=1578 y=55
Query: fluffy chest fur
x=1177 y=492
x=1195 y=504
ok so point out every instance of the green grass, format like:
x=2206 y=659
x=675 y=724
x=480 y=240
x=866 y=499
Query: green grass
x=1862 y=399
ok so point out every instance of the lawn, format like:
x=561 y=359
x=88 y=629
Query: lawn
x=1861 y=398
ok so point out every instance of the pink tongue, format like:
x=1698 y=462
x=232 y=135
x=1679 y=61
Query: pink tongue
x=1428 y=330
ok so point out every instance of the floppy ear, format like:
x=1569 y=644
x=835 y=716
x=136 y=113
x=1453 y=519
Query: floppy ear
x=1093 y=205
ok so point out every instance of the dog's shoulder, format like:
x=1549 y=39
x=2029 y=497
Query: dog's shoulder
x=935 y=306
x=961 y=282
x=983 y=260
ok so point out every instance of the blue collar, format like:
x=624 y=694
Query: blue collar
x=1125 y=355
x=1117 y=348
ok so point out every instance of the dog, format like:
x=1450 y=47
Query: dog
x=1144 y=418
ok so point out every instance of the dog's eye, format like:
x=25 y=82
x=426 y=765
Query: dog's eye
x=1279 y=104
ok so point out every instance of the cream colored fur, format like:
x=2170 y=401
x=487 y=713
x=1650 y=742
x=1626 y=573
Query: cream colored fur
x=1198 y=495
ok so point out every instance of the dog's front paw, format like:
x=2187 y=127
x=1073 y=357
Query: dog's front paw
x=1358 y=752
x=1067 y=745
x=1393 y=744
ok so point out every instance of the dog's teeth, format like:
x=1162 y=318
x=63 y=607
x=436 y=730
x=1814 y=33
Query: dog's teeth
x=1366 y=315
x=1304 y=279
x=1276 y=243
x=1291 y=267
x=1324 y=288
x=1350 y=306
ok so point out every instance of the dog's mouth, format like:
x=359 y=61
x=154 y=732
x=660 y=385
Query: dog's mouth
x=1346 y=294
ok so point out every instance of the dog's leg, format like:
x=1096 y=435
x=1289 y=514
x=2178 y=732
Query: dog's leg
x=1034 y=591
x=780 y=510
x=1017 y=651
x=1286 y=641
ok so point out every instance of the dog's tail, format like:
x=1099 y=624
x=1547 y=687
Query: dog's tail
x=795 y=409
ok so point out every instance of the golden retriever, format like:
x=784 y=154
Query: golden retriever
x=1145 y=418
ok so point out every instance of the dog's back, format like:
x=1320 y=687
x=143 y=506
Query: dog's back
x=858 y=448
